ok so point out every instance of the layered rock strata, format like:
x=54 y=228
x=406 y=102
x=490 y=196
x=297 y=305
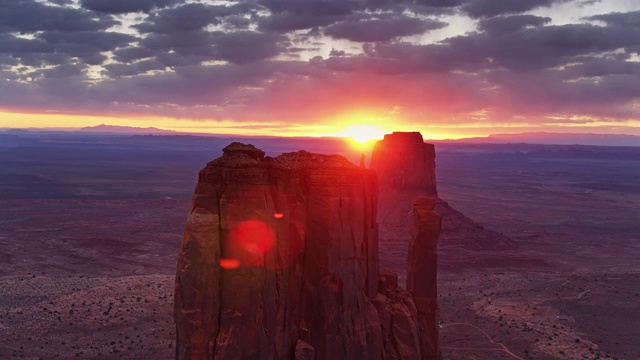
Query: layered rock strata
x=279 y=260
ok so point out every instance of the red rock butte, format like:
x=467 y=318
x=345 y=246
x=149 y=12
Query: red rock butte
x=313 y=289
x=403 y=161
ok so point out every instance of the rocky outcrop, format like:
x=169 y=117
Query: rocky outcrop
x=464 y=244
x=405 y=166
x=279 y=260
x=406 y=170
x=404 y=162
x=422 y=271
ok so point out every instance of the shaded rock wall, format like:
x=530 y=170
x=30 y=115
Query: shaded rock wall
x=405 y=166
x=279 y=260
x=404 y=162
x=422 y=271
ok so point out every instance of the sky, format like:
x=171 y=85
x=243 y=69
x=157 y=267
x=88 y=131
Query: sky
x=447 y=68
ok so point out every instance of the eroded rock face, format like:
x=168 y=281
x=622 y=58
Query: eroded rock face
x=422 y=270
x=406 y=170
x=404 y=162
x=279 y=260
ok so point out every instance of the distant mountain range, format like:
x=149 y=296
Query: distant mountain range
x=115 y=129
x=551 y=139
x=544 y=138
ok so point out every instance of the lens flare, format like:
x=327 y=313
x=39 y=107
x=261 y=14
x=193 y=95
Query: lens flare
x=229 y=264
x=254 y=237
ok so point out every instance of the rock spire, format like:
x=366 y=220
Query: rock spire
x=279 y=260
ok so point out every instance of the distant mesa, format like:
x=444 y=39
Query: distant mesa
x=279 y=260
x=403 y=161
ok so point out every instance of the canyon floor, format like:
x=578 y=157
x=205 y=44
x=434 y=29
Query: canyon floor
x=90 y=229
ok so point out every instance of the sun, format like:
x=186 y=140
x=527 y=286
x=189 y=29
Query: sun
x=363 y=134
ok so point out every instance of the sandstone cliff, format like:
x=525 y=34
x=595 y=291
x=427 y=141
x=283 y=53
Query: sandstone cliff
x=404 y=161
x=422 y=270
x=405 y=167
x=464 y=244
x=279 y=260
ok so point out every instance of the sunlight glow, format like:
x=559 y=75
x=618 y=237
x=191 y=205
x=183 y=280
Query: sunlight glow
x=364 y=133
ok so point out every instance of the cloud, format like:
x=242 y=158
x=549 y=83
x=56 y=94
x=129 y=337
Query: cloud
x=126 y=6
x=381 y=29
x=626 y=20
x=501 y=25
x=189 y=17
x=243 y=47
x=488 y=8
x=290 y=15
x=205 y=60
x=24 y=16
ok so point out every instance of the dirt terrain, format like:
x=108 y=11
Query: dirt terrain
x=579 y=216
x=90 y=229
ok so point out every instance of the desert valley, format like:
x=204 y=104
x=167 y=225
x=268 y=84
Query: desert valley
x=538 y=254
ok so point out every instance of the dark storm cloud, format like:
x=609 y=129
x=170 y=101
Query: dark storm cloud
x=15 y=46
x=591 y=66
x=98 y=41
x=440 y=3
x=174 y=60
x=187 y=86
x=197 y=42
x=237 y=22
x=289 y=15
x=133 y=53
x=193 y=47
x=126 y=6
x=383 y=29
x=548 y=92
x=500 y=25
x=629 y=19
x=313 y=7
x=61 y=2
x=529 y=49
x=25 y=16
x=189 y=17
x=488 y=8
x=44 y=59
x=424 y=3
x=7 y=60
x=54 y=48
x=140 y=67
x=182 y=31
x=60 y=72
x=243 y=47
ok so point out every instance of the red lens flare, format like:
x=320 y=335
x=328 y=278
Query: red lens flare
x=229 y=264
x=253 y=236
